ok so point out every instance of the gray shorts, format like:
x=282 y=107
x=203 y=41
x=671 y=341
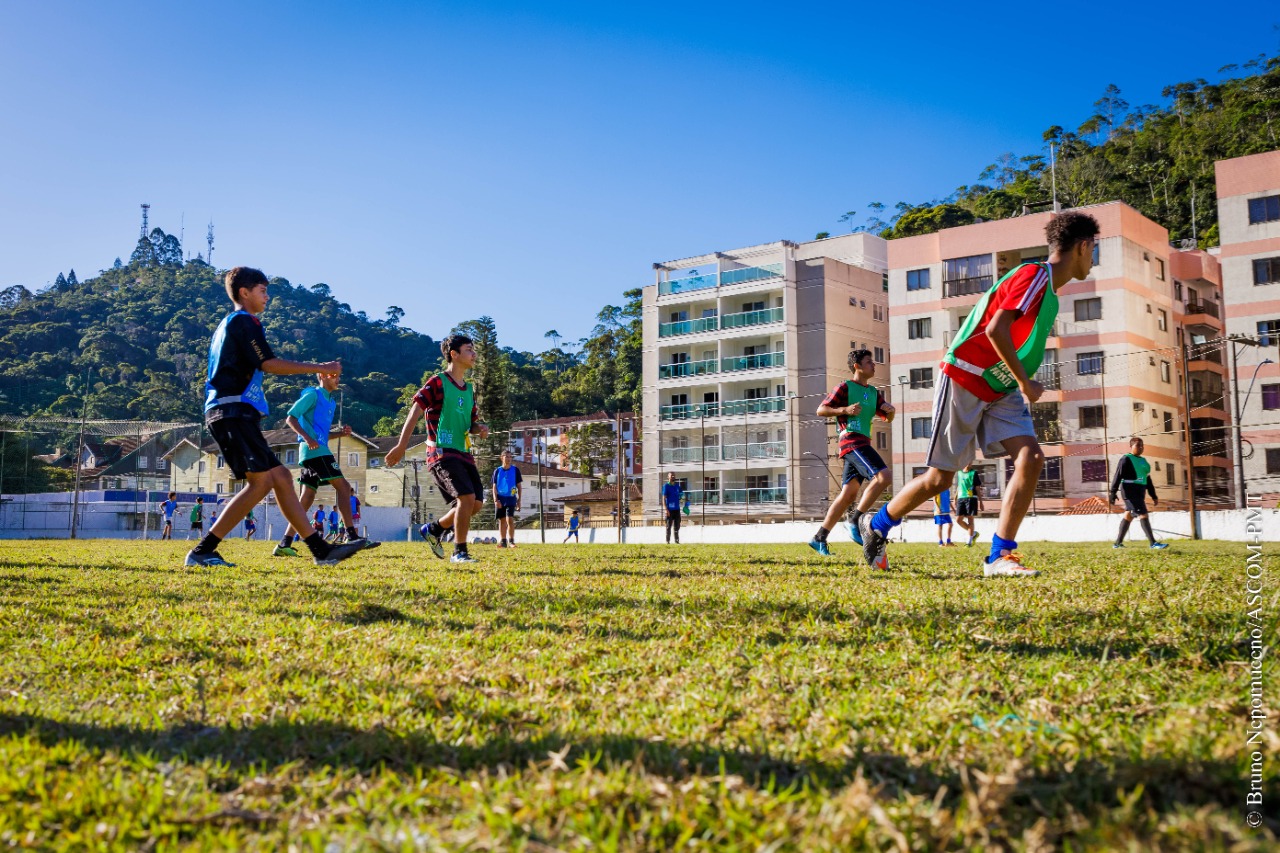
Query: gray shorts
x=963 y=424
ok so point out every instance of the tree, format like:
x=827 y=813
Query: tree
x=72 y=281
x=321 y=289
x=822 y=235
x=394 y=315
x=847 y=216
x=60 y=283
x=117 y=264
x=590 y=447
x=12 y=297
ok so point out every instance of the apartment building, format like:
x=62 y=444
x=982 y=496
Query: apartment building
x=740 y=346
x=552 y=436
x=1112 y=365
x=1248 y=191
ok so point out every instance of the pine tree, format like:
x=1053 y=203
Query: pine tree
x=71 y=279
x=117 y=265
x=60 y=282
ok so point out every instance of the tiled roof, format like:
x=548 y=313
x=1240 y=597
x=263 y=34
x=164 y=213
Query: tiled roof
x=530 y=469
x=608 y=493
x=594 y=417
x=1088 y=506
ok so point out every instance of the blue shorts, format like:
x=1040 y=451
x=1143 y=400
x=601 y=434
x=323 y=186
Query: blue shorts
x=861 y=463
x=942 y=519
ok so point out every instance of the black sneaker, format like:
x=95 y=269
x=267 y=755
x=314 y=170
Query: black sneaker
x=437 y=547
x=338 y=553
x=873 y=544
x=209 y=560
x=364 y=543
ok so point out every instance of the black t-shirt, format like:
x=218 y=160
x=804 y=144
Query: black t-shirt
x=244 y=350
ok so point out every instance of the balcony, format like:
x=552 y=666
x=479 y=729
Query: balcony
x=698 y=497
x=678 y=455
x=733 y=407
x=761 y=450
x=687 y=327
x=1202 y=313
x=755 y=496
x=966 y=286
x=751 y=318
x=751 y=362
x=687 y=368
x=751 y=274
x=687 y=285
x=702 y=282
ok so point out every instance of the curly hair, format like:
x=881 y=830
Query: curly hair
x=856 y=357
x=1065 y=230
x=452 y=344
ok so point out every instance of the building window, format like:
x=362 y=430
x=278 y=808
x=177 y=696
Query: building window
x=1170 y=476
x=882 y=441
x=142 y=461
x=918 y=279
x=1266 y=209
x=963 y=276
x=1267 y=332
x=162 y=464
x=1168 y=422
x=200 y=468
x=1266 y=271
x=1273 y=460
x=353 y=460
x=1160 y=269
x=1089 y=309
x=922 y=328
x=1097 y=252
x=373 y=488
x=1271 y=397
x=921 y=427
x=291 y=457
x=219 y=488
x=921 y=377
x=1093 y=470
x=918 y=471
x=1093 y=417
x=1163 y=321
x=221 y=462
x=1088 y=363
x=879 y=355
x=1164 y=372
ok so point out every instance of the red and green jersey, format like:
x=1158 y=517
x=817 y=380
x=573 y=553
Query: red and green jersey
x=450 y=413
x=855 y=431
x=972 y=362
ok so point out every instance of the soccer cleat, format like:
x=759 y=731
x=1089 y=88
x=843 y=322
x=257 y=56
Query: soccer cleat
x=213 y=558
x=437 y=547
x=820 y=547
x=338 y=553
x=284 y=551
x=1118 y=545
x=873 y=544
x=973 y=537
x=364 y=543
x=1159 y=546
x=942 y=544
x=462 y=557
x=1009 y=565
x=854 y=534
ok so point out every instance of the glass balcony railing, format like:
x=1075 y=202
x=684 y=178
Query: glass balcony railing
x=967 y=286
x=695 y=411
x=687 y=368
x=755 y=496
x=751 y=274
x=702 y=282
x=751 y=362
x=676 y=455
x=761 y=450
x=751 y=318
x=687 y=327
x=688 y=284
x=697 y=497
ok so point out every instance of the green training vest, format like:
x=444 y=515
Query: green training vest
x=867 y=396
x=964 y=484
x=455 y=417
x=1031 y=353
x=1141 y=469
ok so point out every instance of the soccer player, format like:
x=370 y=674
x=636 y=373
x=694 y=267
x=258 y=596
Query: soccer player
x=317 y=521
x=506 y=498
x=574 y=524
x=1133 y=480
x=982 y=401
x=234 y=405
x=942 y=515
x=853 y=404
x=449 y=403
x=196 y=517
x=968 y=501
x=335 y=524
x=671 y=493
x=169 y=507
x=355 y=514
x=250 y=525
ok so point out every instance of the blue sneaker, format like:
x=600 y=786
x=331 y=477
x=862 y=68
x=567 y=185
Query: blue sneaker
x=434 y=541
x=1117 y=545
x=462 y=557
x=1158 y=546
x=820 y=547
x=854 y=534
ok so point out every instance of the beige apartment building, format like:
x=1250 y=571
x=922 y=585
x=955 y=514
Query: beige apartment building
x=1249 y=234
x=1112 y=366
x=740 y=347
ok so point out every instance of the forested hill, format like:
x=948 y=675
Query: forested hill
x=141 y=333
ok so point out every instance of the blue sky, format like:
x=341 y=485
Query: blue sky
x=531 y=161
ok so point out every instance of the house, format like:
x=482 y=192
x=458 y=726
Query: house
x=599 y=505
x=126 y=462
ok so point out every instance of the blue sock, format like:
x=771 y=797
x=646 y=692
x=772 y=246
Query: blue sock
x=998 y=545
x=883 y=522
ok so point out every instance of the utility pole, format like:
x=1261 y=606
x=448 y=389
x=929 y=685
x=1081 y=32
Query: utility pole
x=84 y=414
x=618 y=477
x=537 y=451
x=1191 y=461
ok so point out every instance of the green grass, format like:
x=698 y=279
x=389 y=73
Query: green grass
x=625 y=697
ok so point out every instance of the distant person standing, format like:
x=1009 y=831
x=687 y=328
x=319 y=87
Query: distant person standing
x=250 y=525
x=574 y=524
x=671 y=494
x=169 y=507
x=197 y=519
x=968 y=501
x=335 y=524
x=506 y=498
x=1133 y=480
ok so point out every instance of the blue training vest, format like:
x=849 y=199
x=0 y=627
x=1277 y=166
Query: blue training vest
x=253 y=394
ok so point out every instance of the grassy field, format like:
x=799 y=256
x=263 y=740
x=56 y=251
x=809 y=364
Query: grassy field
x=625 y=698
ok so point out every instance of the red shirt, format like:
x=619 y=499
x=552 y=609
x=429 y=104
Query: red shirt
x=838 y=399
x=1022 y=292
x=431 y=398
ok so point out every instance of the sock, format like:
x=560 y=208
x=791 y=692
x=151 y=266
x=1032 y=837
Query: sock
x=352 y=533
x=317 y=546
x=998 y=545
x=1124 y=531
x=854 y=516
x=948 y=541
x=883 y=522
x=1146 y=528
x=208 y=544
x=459 y=547
x=821 y=535
x=435 y=529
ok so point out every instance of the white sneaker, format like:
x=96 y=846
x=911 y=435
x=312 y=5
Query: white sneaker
x=1009 y=565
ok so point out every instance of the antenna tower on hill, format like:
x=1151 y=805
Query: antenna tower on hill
x=209 y=237
x=145 y=208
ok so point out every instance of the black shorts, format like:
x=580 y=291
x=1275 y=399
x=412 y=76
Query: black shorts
x=1135 y=498
x=861 y=463
x=506 y=507
x=967 y=506
x=243 y=446
x=318 y=471
x=457 y=477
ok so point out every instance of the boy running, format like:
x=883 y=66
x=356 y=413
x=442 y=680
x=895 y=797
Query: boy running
x=250 y=525
x=574 y=524
x=942 y=515
x=169 y=507
x=196 y=518
x=671 y=493
x=853 y=404
x=449 y=403
x=1133 y=480
x=234 y=405
x=968 y=503
x=506 y=498
x=982 y=401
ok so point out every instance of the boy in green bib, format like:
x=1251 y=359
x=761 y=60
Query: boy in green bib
x=1133 y=479
x=983 y=399
x=448 y=402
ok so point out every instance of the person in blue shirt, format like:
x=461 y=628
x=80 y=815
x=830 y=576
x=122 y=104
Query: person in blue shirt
x=671 y=494
x=335 y=523
x=574 y=523
x=169 y=507
x=942 y=515
x=506 y=498
x=250 y=525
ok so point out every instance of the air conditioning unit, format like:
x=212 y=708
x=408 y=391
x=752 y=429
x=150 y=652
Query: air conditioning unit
x=1138 y=407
